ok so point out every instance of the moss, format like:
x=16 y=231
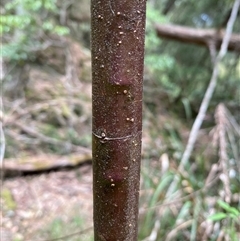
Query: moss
x=8 y=200
x=51 y=130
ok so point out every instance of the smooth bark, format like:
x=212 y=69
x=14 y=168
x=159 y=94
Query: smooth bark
x=117 y=71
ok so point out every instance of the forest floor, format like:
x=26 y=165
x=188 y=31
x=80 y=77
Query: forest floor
x=38 y=206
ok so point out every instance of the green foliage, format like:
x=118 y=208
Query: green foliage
x=26 y=27
x=153 y=16
x=172 y=65
x=228 y=88
x=67 y=230
x=158 y=64
x=83 y=140
x=158 y=190
x=10 y=22
x=229 y=211
x=181 y=72
x=174 y=141
x=231 y=217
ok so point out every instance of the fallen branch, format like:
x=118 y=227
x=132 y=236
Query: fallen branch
x=41 y=163
x=204 y=37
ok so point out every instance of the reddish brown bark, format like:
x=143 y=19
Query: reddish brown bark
x=117 y=70
x=197 y=36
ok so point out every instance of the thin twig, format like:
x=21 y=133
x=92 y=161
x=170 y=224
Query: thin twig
x=175 y=231
x=212 y=174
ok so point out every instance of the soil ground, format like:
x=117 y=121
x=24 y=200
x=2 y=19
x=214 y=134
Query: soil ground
x=38 y=201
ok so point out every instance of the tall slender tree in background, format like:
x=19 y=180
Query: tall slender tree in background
x=117 y=71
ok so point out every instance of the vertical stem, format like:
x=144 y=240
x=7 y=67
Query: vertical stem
x=117 y=72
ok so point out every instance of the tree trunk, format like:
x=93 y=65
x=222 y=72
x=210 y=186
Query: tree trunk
x=206 y=37
x=117 y=72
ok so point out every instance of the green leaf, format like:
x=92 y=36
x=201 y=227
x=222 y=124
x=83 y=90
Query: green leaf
x=223 y=205
x=234 y=211
x=11 y=5
x=184 y=210
x=165 y=181
x=48 y=26
x=228 y=208
x=60 y=30
x=50 y=5
x=234 y=217
x=217 y=216
x=14 y=21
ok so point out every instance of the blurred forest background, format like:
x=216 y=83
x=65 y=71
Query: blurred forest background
x=46 y=100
